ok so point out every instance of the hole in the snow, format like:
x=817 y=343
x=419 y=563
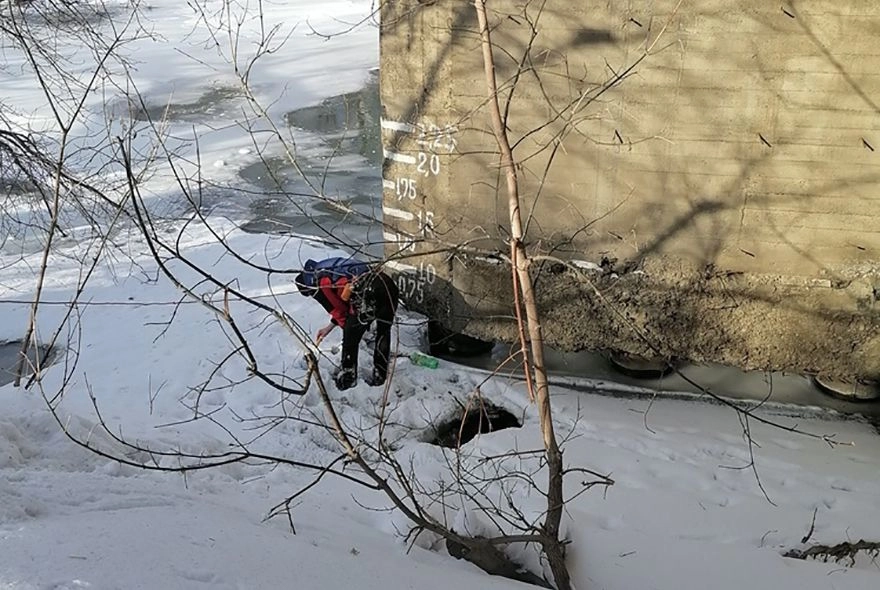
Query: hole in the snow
x=10 y=359
x=463 y=426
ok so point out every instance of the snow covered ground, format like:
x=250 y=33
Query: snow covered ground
x=686 y=510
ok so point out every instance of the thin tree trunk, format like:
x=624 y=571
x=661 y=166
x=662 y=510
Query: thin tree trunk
x=553 y=547
x=41 y=277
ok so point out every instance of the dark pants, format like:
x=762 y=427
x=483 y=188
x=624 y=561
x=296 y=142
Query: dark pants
x=374 y=298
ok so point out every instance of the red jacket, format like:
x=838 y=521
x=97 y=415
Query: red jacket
x=339 y=308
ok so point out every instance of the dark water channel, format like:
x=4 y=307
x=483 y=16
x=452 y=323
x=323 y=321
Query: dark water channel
x=596 y=372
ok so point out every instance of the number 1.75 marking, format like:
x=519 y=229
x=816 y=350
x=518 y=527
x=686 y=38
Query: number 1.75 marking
x=405 y=188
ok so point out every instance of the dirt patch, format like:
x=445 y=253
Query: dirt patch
x=697 y=314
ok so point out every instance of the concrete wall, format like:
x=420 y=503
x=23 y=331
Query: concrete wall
x=715 y=163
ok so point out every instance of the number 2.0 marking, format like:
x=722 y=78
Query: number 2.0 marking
x=428 y=164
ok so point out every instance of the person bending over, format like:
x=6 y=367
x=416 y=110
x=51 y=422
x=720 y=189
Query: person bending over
x=355 y=295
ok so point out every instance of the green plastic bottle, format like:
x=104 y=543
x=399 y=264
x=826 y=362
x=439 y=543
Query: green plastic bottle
x=424 y=360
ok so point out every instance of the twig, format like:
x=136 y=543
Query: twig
x=812 y=527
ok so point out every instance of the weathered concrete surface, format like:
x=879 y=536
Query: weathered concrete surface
x=722 y=161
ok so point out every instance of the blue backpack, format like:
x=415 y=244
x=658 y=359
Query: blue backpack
x=334 y=268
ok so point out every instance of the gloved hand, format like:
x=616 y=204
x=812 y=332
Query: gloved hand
x=345 y=379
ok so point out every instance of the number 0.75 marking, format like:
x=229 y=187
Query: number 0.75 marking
x=428 y=164
x=412 y=284
x=411 y=288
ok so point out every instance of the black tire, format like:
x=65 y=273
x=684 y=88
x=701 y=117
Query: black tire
x=851 y=391
x=639 y=368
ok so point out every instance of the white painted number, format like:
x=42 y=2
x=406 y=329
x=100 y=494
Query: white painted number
x=412 y=284
x=411 y=288
x=426 y=223
x=428 y=164
x=427 y=273
x=437 y=138
x=406 y=189
x=405 y=242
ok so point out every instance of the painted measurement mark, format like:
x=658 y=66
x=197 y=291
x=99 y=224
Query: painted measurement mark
x=424 y=271
x=428 y=164
x=431 y=141
x=406 y=188
x=400 y=266
x=398 y=213
x=426 y=223
x=403 y=241
x=412 y=279
x=398 y=157
x=398 y=126
x=436 y=138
